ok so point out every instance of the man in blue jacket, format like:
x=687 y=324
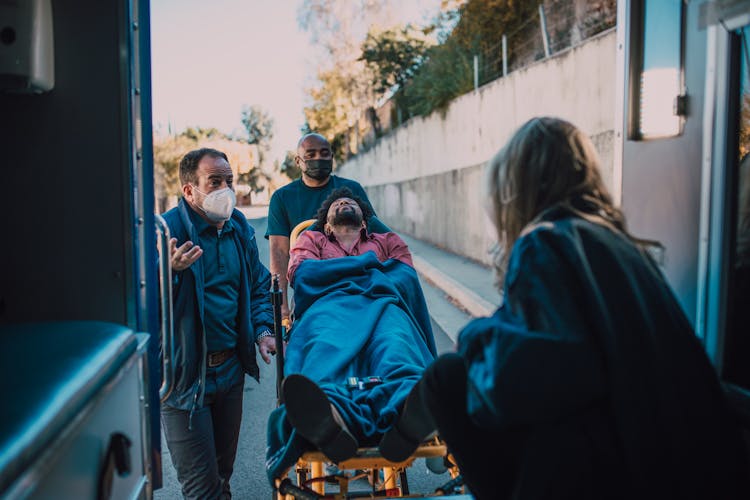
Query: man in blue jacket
x=222 y=309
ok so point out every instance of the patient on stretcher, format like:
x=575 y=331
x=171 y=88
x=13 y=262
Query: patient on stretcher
x=342 y=231
x=360 y=312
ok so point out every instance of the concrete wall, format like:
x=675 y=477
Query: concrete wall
x=426 y=177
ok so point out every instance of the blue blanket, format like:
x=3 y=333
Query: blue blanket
x=356 y=317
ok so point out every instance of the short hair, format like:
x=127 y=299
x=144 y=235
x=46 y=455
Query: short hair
x=342 y=192
x=189 y=163
x=547 y=162
x=312 y=134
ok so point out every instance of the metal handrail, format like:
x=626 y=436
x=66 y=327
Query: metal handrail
x=167 y=325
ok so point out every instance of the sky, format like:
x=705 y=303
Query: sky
x=211 y=58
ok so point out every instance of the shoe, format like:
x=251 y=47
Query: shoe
x=311 y=413
x=413 y=426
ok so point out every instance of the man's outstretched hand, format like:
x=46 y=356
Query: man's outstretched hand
x=183 y=257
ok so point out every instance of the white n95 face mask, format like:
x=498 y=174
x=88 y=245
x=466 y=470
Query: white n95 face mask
x=218 y=205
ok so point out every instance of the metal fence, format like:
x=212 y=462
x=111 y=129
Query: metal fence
x=556 y=26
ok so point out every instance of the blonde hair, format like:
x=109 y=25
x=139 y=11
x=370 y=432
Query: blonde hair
x=547 y=162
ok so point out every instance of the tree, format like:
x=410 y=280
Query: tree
x=328 y=114
x=289 y=167
x=446 y=74
x=394 y=56
x=339 y=26
x=344 y=88
x=482 y=23
x=259 y=126
x=431 y=77
x=198 y=133
x=168 y=151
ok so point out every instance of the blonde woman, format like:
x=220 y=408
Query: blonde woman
x=588 y=382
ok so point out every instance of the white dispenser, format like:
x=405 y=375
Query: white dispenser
x=27 y=62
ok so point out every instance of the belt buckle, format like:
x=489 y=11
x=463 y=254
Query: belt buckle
x=217 y=358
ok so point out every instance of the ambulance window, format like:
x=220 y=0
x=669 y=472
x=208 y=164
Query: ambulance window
x=737 y=355
x=655 y=106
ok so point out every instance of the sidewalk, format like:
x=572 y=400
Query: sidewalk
x=467 y=287
x=469 y=283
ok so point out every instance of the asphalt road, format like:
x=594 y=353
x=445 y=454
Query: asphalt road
x=249 y=479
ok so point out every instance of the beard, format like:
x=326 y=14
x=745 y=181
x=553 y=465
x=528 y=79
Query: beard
x=347 y=216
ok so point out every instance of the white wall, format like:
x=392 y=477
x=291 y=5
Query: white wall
x=426 y=177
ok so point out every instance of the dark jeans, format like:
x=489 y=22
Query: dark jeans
x=486 y=459
x=204 y=454
x=576 y=458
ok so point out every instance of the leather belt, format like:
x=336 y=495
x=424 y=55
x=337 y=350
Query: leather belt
x=219 y=357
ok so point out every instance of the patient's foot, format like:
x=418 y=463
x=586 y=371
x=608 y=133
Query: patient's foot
x=413 y=426
x=316 y=419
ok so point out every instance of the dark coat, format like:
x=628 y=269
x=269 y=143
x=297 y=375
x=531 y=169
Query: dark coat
x=592 y=360
x=255 y=313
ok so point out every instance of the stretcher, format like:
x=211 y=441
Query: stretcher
x=386 y=478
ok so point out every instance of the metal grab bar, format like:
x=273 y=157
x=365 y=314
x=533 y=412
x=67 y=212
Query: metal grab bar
x=279 y=332
x=167 y=325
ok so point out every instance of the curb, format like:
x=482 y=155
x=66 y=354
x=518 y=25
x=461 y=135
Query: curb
x=473 y=303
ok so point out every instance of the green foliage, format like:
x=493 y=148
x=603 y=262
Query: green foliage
x=483 y=22
x=327 y=115
x=446 y=74
x=168 y=151
x=331 y=108
x=259 y=127
x=198 y=134
x=258 y=124
x=255 y=178
x=344 y=88
x=421 y=78
x=394 y=57
x=446 y=71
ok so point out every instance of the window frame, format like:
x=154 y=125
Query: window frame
x=635 y=70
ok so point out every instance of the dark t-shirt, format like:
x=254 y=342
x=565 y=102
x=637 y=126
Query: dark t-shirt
x=297 y=202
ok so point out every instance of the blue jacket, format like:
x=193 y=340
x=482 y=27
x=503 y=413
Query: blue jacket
x=255 y=313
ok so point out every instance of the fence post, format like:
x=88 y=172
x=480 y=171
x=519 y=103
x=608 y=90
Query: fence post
x=505 y=55
x=543 y=24
x=476 y=72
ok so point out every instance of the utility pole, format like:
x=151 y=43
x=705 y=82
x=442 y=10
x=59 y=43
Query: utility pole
x=505 y=55
x=476 y=72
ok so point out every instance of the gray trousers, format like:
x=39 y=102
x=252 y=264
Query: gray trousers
x=204 y=454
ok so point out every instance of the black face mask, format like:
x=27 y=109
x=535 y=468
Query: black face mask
x=319 y=169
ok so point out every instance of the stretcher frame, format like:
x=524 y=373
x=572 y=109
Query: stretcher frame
x=310 y=468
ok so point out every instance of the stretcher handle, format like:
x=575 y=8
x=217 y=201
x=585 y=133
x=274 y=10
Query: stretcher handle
x=278 y=333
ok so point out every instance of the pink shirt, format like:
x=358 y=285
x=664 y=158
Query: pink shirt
x=316 y=245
